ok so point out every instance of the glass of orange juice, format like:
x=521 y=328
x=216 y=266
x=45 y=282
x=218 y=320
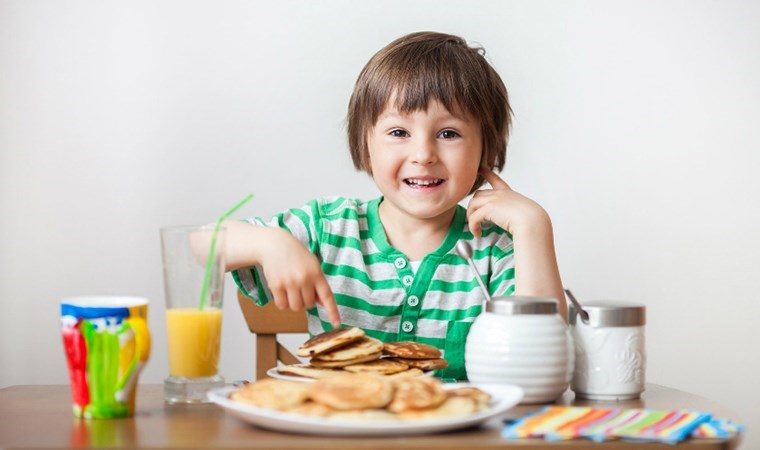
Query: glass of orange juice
x=193 y=286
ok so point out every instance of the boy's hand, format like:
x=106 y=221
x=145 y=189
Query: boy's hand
x=536 y=272
x=502 y=206
x=295 y=277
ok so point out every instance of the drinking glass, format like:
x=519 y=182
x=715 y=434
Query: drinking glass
x=193 y=286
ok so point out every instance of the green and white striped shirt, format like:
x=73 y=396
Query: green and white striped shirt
x=374 y=285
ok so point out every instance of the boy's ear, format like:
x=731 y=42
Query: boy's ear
x=486 y=160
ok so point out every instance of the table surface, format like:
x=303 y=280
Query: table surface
x=39 y=416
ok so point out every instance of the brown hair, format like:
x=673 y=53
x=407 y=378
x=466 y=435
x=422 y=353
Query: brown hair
x=425 y=66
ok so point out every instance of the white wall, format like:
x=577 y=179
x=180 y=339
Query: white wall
x=636 y=127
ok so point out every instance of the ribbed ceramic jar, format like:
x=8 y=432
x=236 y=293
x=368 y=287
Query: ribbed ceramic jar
x=523 y=341
x=610 y=351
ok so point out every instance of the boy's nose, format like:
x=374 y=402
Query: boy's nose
x=424 y=152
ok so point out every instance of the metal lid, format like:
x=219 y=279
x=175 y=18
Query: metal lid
x=611 y=315
x=516 y=305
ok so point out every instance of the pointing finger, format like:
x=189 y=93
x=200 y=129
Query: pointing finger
x=493 y=179
x=327 y=300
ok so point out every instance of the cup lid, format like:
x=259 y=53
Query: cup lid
x=94 y=306
x=518 y=304
x=610 y=314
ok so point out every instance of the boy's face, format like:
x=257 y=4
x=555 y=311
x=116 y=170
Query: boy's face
x=424 y=162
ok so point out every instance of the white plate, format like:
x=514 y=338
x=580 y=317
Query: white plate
x=505 y=396
x=274 y=373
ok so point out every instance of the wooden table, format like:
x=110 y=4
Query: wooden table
x=40 y=417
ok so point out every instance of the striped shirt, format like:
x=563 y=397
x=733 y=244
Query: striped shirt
x=374 y=285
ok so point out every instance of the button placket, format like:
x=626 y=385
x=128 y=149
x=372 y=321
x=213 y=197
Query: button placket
x=409 y=312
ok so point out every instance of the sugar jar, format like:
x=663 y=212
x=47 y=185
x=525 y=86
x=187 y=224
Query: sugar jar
x=610 y=352
x=524 y=341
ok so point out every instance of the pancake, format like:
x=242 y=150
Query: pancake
x=352 y=392
x=424 y=364
x=411 y=350
x=382 y=366
x=272 y=394
x=452 y=407
x=312 y=409
x=301 y=370
x=355 y=350
x=416 y=393
x=480 y=397
x=336 y=364
x=329 y=340
x=408 y=373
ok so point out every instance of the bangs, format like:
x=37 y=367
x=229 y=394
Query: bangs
x=412 y=79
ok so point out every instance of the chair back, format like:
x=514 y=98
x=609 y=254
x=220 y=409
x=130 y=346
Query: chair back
x=266 y=322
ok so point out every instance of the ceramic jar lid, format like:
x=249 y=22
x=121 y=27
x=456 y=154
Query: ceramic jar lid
x=611 y=315
x=517 y=305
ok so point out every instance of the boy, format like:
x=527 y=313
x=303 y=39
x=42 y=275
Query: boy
x=429 y=120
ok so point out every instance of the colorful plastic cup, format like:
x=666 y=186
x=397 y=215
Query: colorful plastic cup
x=107 y=343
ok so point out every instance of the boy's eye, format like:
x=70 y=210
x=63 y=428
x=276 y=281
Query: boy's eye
x=398 y=133
x=448 y=134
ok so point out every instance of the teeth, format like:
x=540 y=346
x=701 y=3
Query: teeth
x=423 y=182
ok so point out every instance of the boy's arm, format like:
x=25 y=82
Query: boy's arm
x=247 y=245
x=536 y=271
x=293 y=273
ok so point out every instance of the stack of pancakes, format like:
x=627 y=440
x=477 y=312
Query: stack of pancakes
x=361 y=396
x=338 y=351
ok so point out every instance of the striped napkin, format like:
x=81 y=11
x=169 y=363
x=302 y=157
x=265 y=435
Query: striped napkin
x=600 y=424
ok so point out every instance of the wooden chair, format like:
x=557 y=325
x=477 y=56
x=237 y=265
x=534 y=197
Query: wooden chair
x=266 y=322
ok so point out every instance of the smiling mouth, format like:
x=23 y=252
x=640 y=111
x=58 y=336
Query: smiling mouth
x=418 y=184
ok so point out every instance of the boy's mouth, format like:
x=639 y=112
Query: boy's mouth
x=418 y=183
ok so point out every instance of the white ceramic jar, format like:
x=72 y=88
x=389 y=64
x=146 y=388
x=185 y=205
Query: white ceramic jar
x=523 y=341
x=610 y=352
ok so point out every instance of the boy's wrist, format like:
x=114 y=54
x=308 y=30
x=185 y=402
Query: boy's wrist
x=536 y=223
x=265 y=241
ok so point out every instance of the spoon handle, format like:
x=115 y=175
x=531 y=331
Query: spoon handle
x=581 y=311
x=480 y=281
x=465 y=251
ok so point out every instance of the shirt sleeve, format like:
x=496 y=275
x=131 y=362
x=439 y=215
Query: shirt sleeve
x=302 y=224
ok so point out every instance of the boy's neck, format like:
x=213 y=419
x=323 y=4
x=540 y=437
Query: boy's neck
x=412 y=236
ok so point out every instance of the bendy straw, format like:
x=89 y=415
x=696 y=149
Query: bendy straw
x=212 y=250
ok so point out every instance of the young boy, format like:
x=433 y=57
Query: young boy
x=429 y=120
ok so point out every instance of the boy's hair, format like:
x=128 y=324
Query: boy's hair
x=425 y=66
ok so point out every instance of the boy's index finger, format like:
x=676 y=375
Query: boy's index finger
x=327 y=300
x=493 y=179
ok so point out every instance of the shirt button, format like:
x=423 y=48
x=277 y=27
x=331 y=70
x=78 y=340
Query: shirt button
x=407 y=326
x=413 y=300
x=400 y=263
x=407 y=280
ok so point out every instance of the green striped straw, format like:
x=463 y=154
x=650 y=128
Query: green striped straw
x=210 y=261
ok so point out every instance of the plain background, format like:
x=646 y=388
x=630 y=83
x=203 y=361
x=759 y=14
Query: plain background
x=636 y=127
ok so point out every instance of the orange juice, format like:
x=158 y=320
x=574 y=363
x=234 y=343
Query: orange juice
x=194 y=338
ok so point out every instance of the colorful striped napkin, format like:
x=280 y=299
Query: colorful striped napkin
x=600 y=424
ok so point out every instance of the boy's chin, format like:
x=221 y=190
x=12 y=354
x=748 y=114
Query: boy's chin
x=423 y=213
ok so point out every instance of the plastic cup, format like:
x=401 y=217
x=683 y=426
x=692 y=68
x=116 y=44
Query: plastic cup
x=107 y=343
x=193 y=324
